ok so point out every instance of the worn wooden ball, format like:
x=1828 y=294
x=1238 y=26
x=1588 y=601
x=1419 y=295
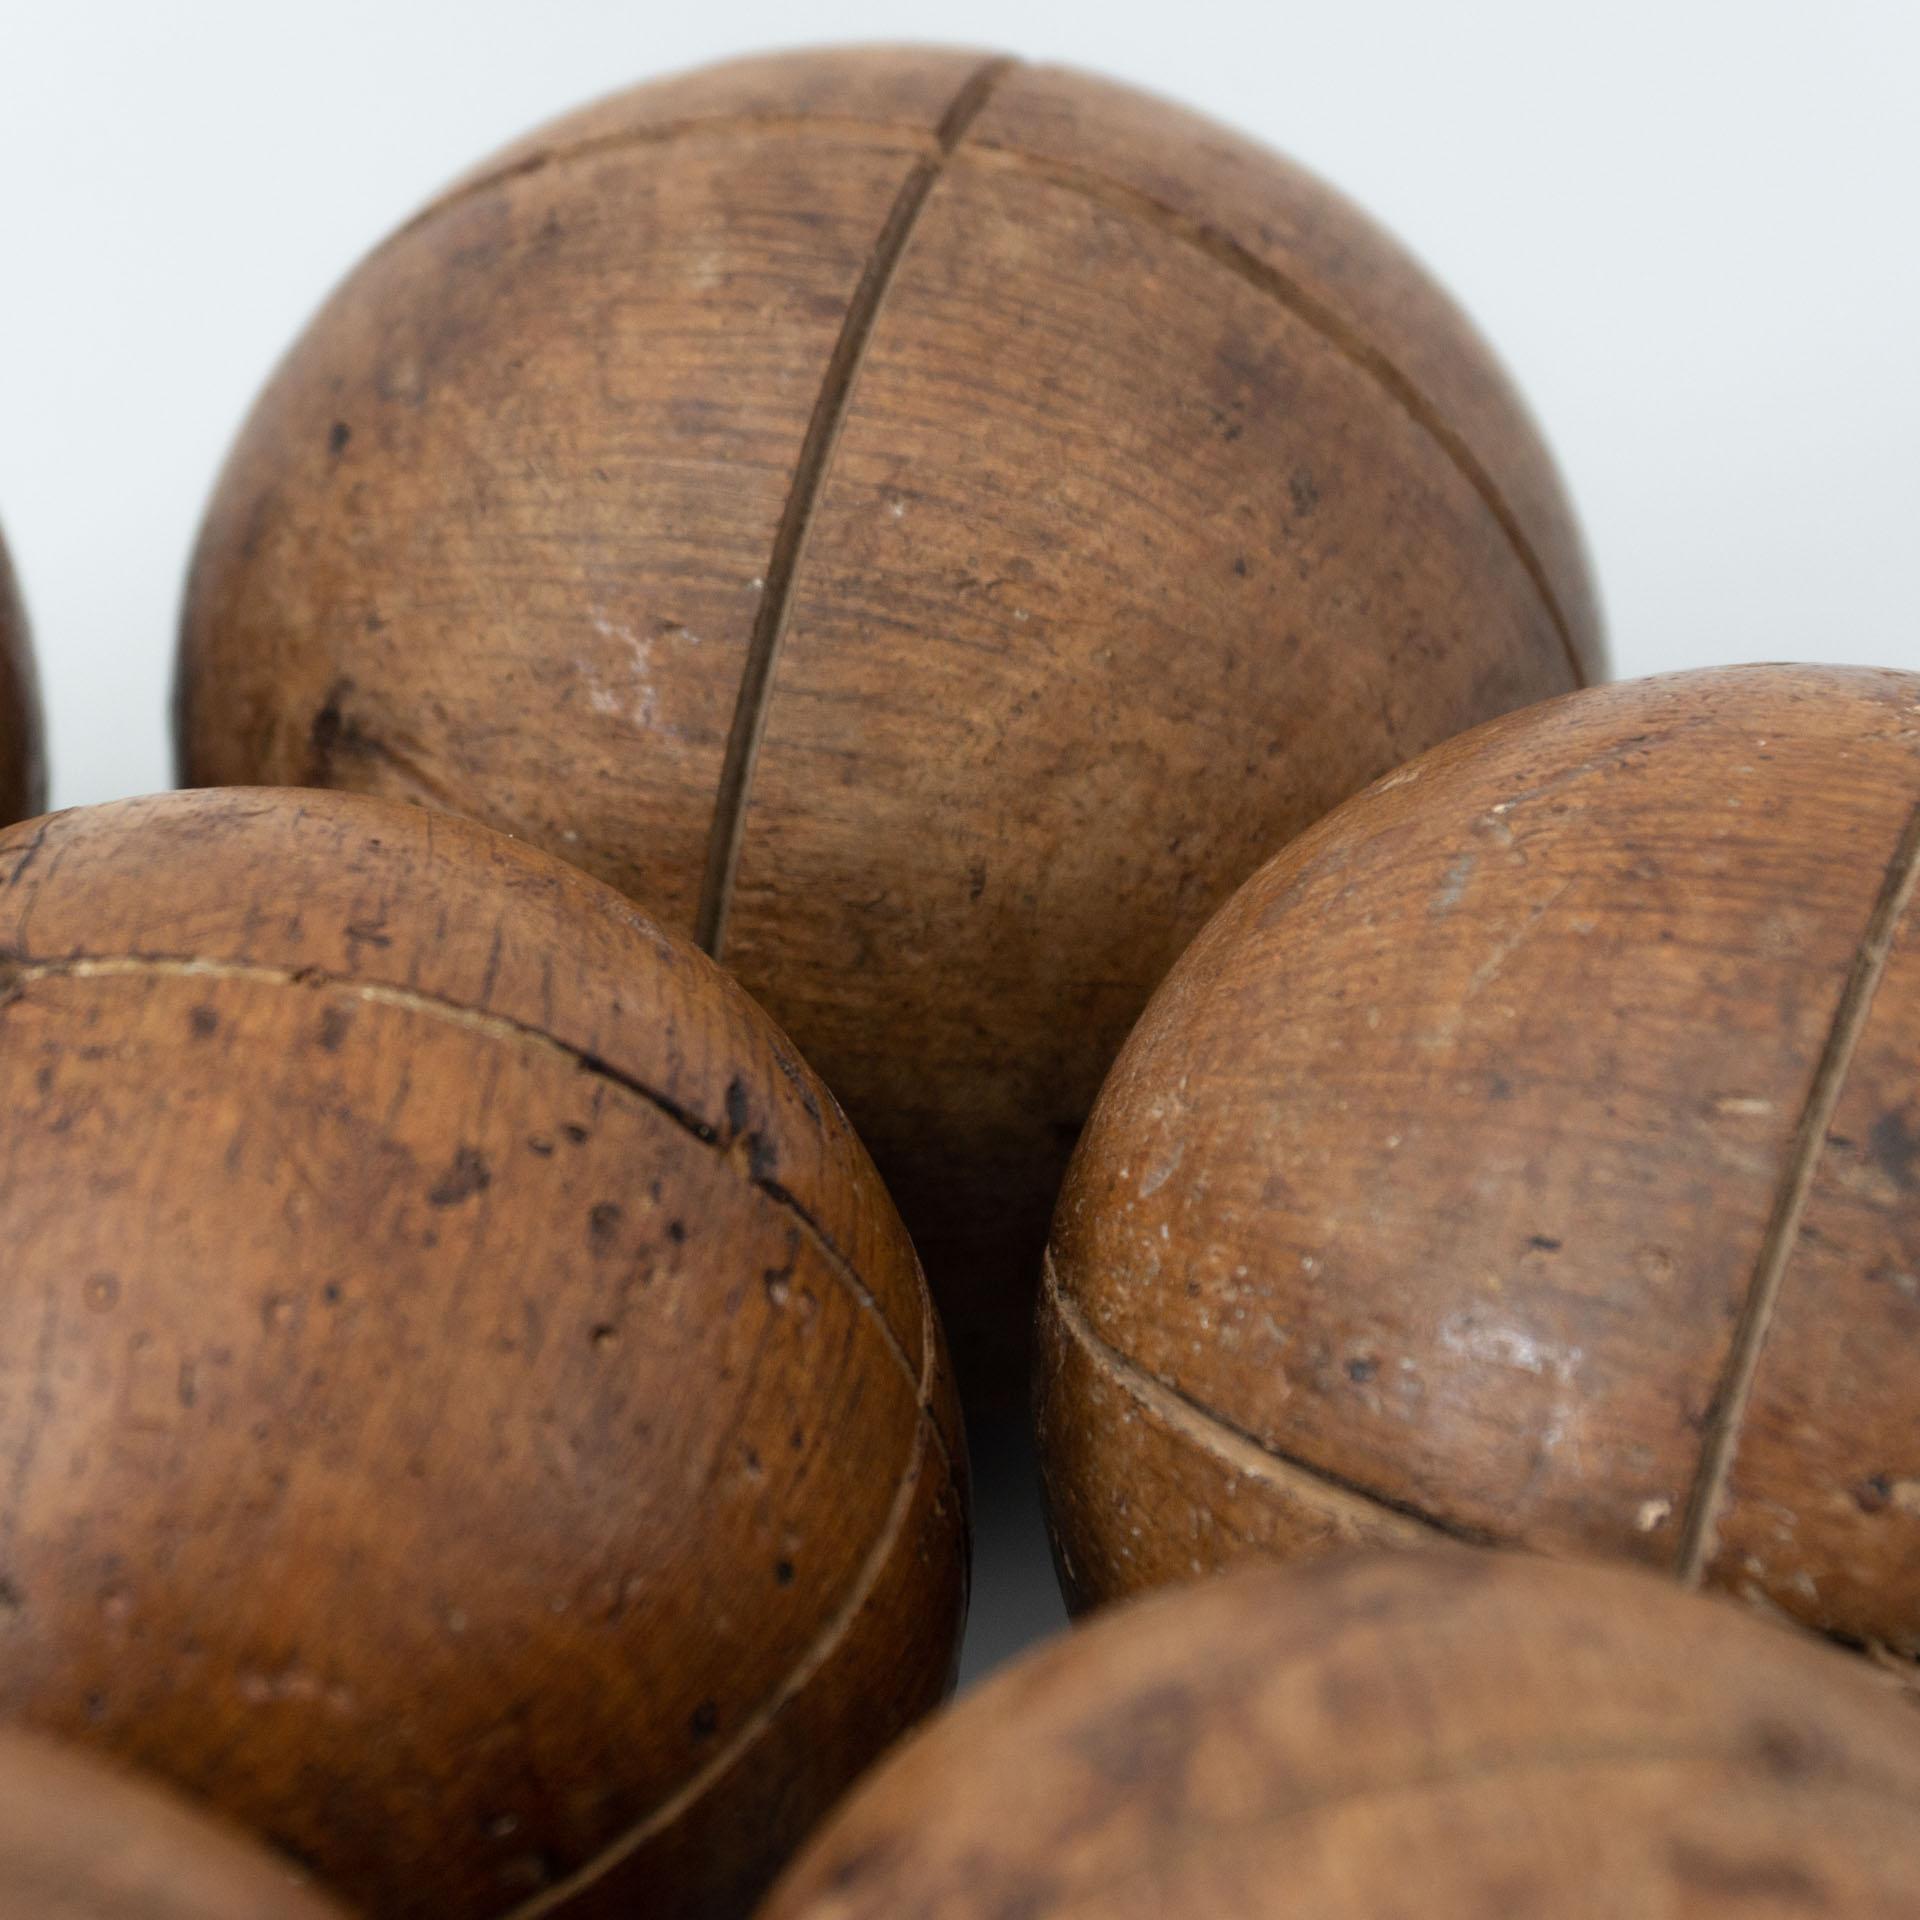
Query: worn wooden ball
x=471 y=1412
x=80 y=1840
x=23 y=774
x=1455 y=1735
x=924 y=525
x=1530 y=1153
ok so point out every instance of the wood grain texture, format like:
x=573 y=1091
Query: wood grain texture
x=23 y=771
x=929 y=525
x=1452 y=1734
x=472 y=1411
x=1520 y=1154
x=83 y=1841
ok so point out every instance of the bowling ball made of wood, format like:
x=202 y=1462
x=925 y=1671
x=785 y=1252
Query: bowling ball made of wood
x=1457 y=1736
x=925 y=526
x=84 y=1841
x=23 y=777
x=1531 y=1153
x=470 y=1411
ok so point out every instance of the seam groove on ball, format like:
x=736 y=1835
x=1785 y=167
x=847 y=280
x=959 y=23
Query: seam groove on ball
x=499 y=1027
x=943 y=148
x=1783 y=1225
x=715 y=126
x=1240 y=1450
x=833 y=1630
x=1227 y=252
x=809 y=479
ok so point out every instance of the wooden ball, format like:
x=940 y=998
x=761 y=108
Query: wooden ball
x=471 y=1412
x=83 y=1841
x=1455 y=1735
x=1529 y=1154
x=23 y=773
x=924 y=525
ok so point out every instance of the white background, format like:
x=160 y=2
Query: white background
x=1690 y=228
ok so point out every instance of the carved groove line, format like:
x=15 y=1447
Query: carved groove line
x=809 y=481
x=1100 y=189
x=820 y=1650
x=693 y=126
x=1351 y=345
x=1698 y=1537
x=1341 y=1500
x=501 y=1028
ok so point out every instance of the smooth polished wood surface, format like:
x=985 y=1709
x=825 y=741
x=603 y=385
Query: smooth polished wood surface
x=83 y=1841
x=1528 y=1154
x=473 y=1414
x=1459 y=1736
x=23 y=772
x=926 y=525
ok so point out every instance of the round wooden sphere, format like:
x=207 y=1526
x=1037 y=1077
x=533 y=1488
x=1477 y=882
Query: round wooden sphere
x=1456 y=1735
x=924 y=525
x=83 y=1841
x=1529 y=1154
x=23 y=773
x=471 y=1412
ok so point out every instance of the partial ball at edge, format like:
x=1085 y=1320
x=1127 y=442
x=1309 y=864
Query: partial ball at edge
x=23 y=771
x=1526 y=1155
x=1453 y=1733
x=480 y=1423
x=80 y=1840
